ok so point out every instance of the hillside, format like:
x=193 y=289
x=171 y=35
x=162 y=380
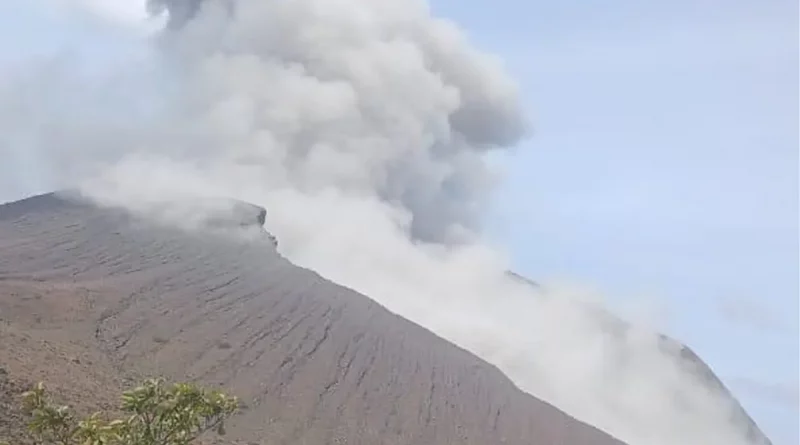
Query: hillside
x=688 y=360
x=92 y=298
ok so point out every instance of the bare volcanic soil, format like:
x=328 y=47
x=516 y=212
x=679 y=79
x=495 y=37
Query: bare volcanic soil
x=92 y=298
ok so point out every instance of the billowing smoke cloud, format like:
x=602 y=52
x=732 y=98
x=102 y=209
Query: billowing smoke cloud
x=362 y=126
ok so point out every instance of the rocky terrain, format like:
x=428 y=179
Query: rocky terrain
x=91 y=299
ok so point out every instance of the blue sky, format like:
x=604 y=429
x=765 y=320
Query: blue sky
x=663 y=165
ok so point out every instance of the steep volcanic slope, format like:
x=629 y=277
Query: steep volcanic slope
x=703 y=375
x=316 y=363
x=689 y=361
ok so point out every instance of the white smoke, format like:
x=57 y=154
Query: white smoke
x=362 y=126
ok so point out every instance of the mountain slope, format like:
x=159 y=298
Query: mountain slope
x=702 y=375
x=92 y=297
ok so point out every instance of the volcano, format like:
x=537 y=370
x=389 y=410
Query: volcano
x=95 y=297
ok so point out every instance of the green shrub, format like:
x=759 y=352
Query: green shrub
x=154 y=414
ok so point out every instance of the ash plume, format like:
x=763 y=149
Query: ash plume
x=362 y=126
x=395 y=105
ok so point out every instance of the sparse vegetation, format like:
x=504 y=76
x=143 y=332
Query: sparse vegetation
x=154 y=413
